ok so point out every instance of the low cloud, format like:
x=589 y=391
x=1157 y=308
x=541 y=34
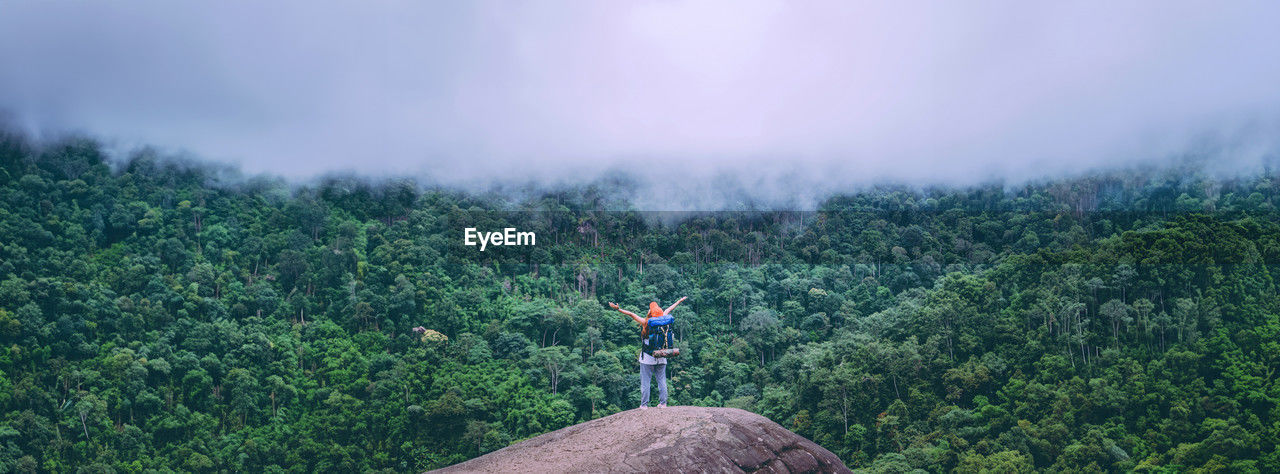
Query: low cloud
x=775 y=102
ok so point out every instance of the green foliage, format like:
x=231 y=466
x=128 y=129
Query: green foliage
x=157 y=315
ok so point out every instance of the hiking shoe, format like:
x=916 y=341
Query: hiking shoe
x=662 y=405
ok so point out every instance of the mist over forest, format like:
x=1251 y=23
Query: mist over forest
x=960 y=237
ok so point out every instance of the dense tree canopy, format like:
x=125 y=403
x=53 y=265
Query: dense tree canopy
x=157 y=314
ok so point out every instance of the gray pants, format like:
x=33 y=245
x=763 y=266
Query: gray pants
x=646 y=372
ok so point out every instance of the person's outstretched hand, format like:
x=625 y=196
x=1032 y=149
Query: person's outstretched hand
x=613 y=305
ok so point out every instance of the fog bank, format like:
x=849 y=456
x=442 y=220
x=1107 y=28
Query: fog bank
x=773 y=101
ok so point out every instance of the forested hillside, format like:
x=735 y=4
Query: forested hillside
x=156 y=314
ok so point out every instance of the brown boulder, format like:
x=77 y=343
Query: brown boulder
x=672 y=439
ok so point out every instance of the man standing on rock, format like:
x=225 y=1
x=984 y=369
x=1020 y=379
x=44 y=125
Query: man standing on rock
x=651 y=366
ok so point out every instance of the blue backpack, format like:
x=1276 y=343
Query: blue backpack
x=662 y=337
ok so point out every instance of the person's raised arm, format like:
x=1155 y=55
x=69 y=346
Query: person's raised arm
x=673 y=305
x=628 y=313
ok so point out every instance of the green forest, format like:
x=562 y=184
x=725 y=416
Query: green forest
x=161 y=314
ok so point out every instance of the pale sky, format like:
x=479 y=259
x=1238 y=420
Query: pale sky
x=773 y=93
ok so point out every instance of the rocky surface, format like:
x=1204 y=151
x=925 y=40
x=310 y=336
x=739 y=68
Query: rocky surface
x=672 y=439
